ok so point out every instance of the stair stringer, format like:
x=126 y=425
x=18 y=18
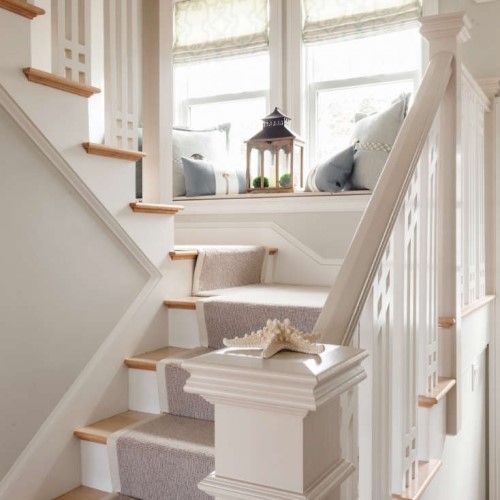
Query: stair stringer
x=51 y=458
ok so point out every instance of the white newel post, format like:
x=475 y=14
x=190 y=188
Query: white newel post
x=446 y=33
x=277 y=421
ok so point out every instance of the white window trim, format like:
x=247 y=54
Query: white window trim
x=187 y=103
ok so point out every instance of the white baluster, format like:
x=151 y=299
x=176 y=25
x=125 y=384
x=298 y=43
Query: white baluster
x=71 y=39
x=122 y=47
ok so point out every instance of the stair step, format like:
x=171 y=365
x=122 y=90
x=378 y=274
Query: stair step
x=86 y=493
x=426 y=473
x=183 y=303
x=191 y=254
x=22 y=8
x=101 y=430
x=154 y=208
x=59 y=82
x=149 y=360
x=166 y=458
x=432 y=398
x=108 y=151
x=163 y=390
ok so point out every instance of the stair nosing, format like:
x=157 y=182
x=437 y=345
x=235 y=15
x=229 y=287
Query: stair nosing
x=142 y=362
x=99 y=431
x=193 y=254
x=24 y=9
x=59 y=82
x=155 y=208
x=431 y=399
x=188 y=303
x=425 y=481
x=112 y=152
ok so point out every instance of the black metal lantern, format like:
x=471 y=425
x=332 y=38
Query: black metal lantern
x=275 y=157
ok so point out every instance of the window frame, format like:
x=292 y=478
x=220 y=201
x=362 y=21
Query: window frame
x=316 y=87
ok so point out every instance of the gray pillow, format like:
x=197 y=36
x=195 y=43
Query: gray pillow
x=331 y=175
x=373 y=138
x=205 y=178
x=211 y=143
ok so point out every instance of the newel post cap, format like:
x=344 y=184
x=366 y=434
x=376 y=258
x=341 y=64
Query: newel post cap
x=446 y=26
x=288 y=382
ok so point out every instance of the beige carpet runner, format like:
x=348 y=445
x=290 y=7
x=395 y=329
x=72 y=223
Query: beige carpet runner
x=228 y=266
x=237 y=312
x=171 y=381
x=163 y=458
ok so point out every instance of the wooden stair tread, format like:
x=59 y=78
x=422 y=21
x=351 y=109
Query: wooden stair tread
x=99 y=431
x=154 y=208
x=22 y=8
x=108 y=151
x=183 y=303
x=59 y=82
x=446 y=322
x=432 y=398
x=191 y=254
x=86 y=493
x=148 y=360
x=426 y=473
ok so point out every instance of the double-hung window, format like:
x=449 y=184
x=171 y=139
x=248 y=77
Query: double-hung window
x=359 y=57
x=221 y=66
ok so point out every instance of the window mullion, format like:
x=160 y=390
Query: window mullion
x=276 y=52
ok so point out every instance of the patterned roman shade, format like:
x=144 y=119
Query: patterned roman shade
x=330 y=19
x=216 y=28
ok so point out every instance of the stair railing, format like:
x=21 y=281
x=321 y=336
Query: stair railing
x=99 y=44
x=417 y=257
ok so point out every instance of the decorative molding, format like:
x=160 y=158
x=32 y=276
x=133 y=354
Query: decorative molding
x=478 y=304
x=432 y=398
x=154 y=208
x=59 y=82
x=446 y=26
x=103 y=150
x=283 y=203
x=476 y=88
x=490 y=86
x=22 y=8
x=263 y=225
x=286 y=383
x=224 y=488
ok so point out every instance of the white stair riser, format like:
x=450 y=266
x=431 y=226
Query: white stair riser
x=143 y=391
x=432 y=431
x=95 y=466
x=183 y=330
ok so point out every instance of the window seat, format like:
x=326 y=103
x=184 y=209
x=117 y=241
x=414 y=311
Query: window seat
x=345 y=201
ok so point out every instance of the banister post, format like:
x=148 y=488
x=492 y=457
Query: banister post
x=277 y=421
x=447 y=33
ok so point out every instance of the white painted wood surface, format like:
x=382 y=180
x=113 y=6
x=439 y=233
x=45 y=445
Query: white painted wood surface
x=71 y=40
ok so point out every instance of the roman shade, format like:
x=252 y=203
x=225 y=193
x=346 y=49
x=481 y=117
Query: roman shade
x=204 y=29
x=327 y=19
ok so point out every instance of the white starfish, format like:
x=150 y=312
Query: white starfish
x=277 y=336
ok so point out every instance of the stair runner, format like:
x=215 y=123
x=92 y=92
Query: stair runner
x=167 y=456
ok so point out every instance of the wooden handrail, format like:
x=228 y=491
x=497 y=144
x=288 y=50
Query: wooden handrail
x=348 y=295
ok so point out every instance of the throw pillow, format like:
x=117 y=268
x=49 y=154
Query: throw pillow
x=331 y=175
x=210 y=143
x=373 y=138
x=205 y=178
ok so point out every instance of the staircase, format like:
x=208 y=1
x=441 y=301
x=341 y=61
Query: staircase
x=387 y=438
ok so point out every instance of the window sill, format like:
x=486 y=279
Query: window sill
x=348 y=201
